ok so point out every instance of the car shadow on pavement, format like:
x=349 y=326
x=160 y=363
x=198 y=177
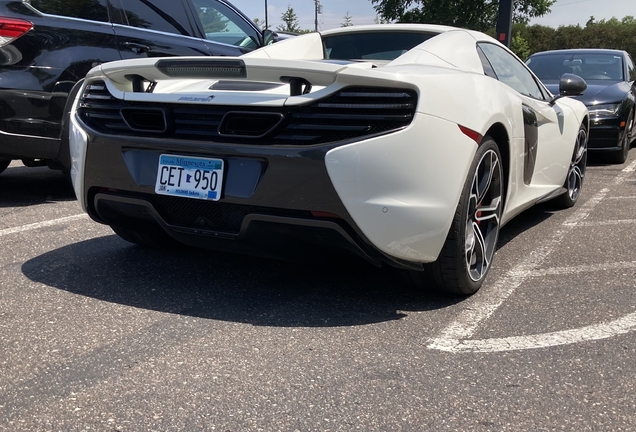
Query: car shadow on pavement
x=236 y=288
x=523 y=222
x=21 y=186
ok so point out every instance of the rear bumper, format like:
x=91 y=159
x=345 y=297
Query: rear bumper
x=389 y=198
x=262 y=232
x=276 y=202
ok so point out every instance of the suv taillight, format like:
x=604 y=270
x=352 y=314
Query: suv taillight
x=12 y=28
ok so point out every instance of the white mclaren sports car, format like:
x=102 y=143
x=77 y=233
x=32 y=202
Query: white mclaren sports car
x=408 y=145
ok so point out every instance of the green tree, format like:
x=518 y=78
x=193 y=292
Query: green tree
x=474 y=14
x=347 y=21
x=611 y=34
x=380 y=20
x=259 y=23
x=290 y=21
x=539 y=37
x=520 y=46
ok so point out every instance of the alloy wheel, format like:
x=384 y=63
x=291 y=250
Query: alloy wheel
x=484 y=214
x=576 y=173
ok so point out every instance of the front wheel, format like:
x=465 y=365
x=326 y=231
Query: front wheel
x=576 y=172
x=467 y=254
x=620 y=155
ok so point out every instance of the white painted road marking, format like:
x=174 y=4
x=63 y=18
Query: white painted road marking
x=588 y=268
x=608 y=222
x=37 y=225
x=455 y=337
x=565 y=337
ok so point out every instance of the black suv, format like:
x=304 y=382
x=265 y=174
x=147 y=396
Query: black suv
x=48 y=46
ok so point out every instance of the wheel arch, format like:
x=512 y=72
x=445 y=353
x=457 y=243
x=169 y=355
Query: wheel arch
x=586 y=123
x=64 y=155
x=499 y=133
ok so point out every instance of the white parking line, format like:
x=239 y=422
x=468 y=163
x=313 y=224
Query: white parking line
x=587 y=268
x=608 y=222
x=37 y=225
x=622 y=325
x=454 y=338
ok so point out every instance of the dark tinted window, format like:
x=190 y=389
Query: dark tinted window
x=589 y=66
x=511 y=71
x=167 y=16
x=488 y=70
x=372 y=46
x=630 y=68
x=95 y=10
x=222 y=24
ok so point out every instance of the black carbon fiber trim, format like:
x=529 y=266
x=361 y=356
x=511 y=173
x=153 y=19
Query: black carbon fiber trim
x=207 y=215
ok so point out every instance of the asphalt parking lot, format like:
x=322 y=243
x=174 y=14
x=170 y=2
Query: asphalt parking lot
x=97 y=334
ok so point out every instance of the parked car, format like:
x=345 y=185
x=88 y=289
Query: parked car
x=610 y=95
x=413 y=157
x=48 y=46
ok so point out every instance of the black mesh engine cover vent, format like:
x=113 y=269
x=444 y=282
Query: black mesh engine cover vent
x=351 y=113
x=249 y=124
x=142 y=119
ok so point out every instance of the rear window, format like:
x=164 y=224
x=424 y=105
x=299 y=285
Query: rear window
x=94 y=10
x=372 y=46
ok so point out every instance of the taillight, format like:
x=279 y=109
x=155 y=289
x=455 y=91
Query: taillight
x=12 y=28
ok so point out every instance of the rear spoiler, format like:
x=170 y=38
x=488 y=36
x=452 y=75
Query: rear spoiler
x=132 y=75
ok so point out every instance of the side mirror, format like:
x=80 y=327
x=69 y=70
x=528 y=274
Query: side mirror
x=269 y=37
x=570 y=85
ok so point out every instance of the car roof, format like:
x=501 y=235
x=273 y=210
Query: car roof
x=433 y=28
x=580 y=51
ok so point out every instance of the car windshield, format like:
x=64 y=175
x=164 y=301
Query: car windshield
x=382 y=45
x=589 y=66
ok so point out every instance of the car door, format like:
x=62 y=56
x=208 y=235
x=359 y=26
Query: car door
x=155 y=28
x=546 y=149
x=66 y=41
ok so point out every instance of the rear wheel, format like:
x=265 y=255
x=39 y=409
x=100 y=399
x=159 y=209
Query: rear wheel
x=576 y=172
x=470 y=245
x=4 y=164
x=620 y=156
x=153 y=239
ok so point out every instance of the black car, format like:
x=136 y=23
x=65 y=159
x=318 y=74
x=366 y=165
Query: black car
x=610 y=94
x=48 y=46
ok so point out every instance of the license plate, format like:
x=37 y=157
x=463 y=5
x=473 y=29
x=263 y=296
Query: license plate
x=190 y=177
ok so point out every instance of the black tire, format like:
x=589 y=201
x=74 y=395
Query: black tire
x=576 y=173
x=4 y=164
x=465 y=258
x=155 y=239
x=620 y=155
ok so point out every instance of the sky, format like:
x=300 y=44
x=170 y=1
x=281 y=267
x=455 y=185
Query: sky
x=564 y=12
